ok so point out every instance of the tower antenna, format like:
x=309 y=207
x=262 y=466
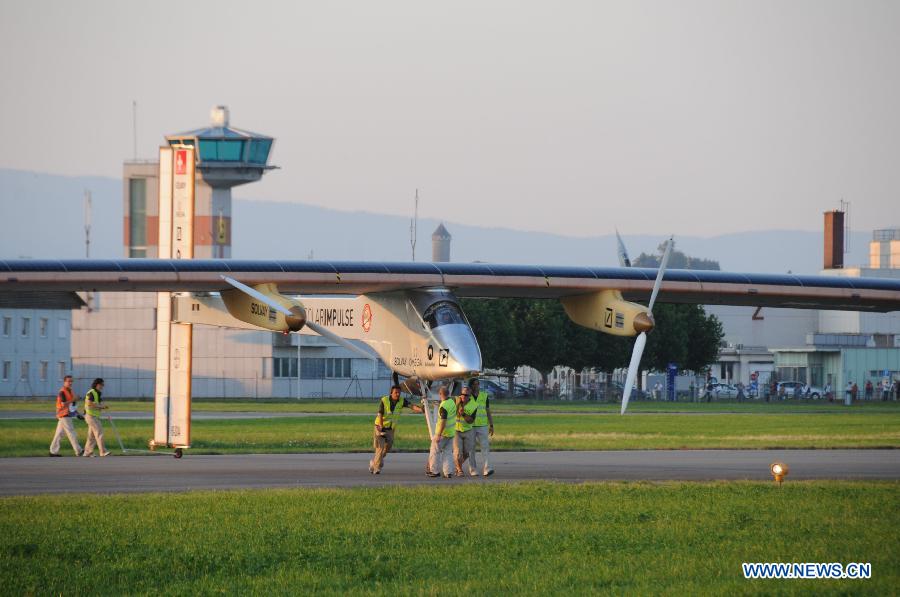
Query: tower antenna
x=413 y=224
x=134 y=126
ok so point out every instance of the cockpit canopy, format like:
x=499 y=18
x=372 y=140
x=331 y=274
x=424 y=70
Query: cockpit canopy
x=443 y=313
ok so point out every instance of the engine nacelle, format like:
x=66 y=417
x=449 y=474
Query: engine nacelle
x=249 y=310
x=606 y=311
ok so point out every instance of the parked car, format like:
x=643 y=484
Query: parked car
x=798 y=389
x=723 y=390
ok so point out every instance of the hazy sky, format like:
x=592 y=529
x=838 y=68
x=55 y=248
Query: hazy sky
x=567 y=117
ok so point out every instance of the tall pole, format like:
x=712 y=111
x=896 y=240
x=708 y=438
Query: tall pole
x=412 y=227
x=134 y=126
x=87 y=224
x=87 y=240
x=299 y=339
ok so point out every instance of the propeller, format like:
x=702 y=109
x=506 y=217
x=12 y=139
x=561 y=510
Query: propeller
x=322 y=331
x=641 y=340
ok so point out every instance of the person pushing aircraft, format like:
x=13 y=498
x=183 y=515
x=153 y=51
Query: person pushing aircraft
x=389 y=410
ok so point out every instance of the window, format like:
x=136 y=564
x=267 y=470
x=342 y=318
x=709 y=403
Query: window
x=284 y=367
x=62 y=370
x=7 y=370
x=337 y=368
x=7 y=326
x=62 y=328
x=45 y=366
x=259 y=150
x=137 y=217
x=25 y=372
x=222 y=150
x=26 y=326
x=42 y=326
x=312 y=368
x=443 y=313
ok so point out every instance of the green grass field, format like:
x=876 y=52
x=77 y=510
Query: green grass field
x=621 y=538
x=317 y=405
x=579 y=431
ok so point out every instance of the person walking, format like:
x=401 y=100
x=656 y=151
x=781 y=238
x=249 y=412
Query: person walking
x=482 y=427
x=65 y=412
x=389 y=410
x=464 y=441
x=440 y=458
x=93 y=410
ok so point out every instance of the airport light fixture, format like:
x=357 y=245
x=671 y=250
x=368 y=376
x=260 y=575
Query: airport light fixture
x=779 y=471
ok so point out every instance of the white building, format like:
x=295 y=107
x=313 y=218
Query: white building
x=35 y=343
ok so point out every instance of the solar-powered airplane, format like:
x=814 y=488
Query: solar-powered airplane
x=408 y=314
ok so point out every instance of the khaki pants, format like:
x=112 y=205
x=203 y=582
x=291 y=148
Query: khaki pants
x=464 y=450
x=95 y=436
x=482 y=438
x=441 y=452
x=382 y=445
x=65 y=425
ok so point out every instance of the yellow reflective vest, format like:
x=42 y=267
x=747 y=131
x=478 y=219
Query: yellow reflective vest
x=449 y=406
x=92 y=398
x=390 y=418
x=470 y=408
x=481 y=419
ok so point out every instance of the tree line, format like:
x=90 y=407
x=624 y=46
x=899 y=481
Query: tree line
x=539 y=334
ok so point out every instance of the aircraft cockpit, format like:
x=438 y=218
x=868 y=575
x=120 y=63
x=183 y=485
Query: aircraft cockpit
x=443 y=313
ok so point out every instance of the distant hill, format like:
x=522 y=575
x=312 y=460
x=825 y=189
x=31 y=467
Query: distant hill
x=43 y=218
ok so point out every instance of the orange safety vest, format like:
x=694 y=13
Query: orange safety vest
x=62 y=406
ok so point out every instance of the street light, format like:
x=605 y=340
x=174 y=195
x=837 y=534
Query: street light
x=779 y=471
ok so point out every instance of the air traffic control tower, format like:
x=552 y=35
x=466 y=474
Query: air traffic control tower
x=225 y=157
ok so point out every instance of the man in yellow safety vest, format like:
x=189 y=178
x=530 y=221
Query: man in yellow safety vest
x=482 y=428
x=92 y=413
x=464 y=442
x=386 y=420
x=442 y=442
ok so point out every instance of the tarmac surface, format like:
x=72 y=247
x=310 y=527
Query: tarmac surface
x=119 y=474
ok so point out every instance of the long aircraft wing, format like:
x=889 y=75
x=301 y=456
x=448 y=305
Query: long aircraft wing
x=466 y=279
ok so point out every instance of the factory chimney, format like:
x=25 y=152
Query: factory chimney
x=834 y=239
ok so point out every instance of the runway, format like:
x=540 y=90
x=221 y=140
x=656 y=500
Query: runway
x=120 y=474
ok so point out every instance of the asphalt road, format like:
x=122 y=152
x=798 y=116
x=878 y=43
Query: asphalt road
x=116 y=474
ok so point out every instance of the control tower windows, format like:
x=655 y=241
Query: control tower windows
x=221 y=150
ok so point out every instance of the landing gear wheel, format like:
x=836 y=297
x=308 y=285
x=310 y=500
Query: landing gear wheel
x=178 y=453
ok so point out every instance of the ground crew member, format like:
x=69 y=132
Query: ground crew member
x=386 y=420
x=464 y=442
x=442 y=442
x=65 y=412
x=483 y=427
x=92 y=413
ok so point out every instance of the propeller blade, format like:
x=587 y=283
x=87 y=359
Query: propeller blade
x=624 y=261
x=639 y=344
x=660 y=273
x=259 y=296
x=325 y=332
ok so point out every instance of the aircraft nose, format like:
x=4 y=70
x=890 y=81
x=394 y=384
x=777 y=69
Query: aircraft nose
x=458 y=350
